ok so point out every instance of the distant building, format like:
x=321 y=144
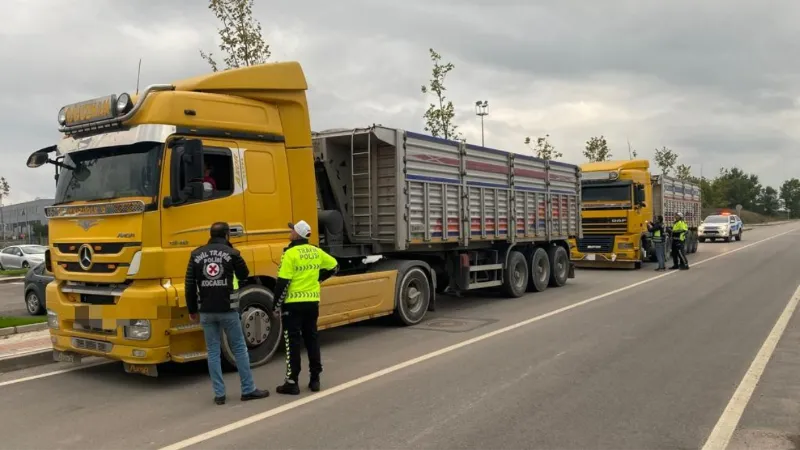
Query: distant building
x=22 y=219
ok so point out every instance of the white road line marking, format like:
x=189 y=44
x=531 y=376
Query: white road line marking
x=723 y=431
x=411 y=362
x=57 y=372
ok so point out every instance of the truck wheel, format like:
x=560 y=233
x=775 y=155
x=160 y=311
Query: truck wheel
x=413 y=296
x=540 y=271
x=559 y=266
x=262 y=332
x=515 y=277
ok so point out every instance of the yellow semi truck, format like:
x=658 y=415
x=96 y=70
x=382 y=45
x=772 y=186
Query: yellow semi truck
x=140 y=179
x=617 y=200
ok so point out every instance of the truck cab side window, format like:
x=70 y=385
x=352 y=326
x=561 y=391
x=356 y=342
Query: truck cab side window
x=217 y=171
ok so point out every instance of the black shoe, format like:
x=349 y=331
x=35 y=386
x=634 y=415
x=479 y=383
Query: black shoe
x=219 y=400
x=684 y=267
x=314 y=385
x=288 y=388
x=255 y=395
x=674 y=268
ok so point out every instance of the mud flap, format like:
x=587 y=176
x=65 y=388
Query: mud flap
x=571 y=271
x=149 y=370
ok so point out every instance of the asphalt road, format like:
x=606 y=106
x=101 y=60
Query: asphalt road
x=12 y=299
x=615 y=359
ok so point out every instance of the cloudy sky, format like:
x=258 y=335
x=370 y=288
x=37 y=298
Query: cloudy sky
x=717 y=81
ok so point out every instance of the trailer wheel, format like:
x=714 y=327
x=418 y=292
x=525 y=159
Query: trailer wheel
x=262 y=332
x=515 y=277
x=559 y=265
x=540 y=271
x=413 y=296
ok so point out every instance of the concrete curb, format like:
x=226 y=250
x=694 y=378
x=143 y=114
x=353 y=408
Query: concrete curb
x=10 y=279
x=23 y=329
x=27 y=360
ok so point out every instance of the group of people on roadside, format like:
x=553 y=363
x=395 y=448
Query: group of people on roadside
x=678 y=232
x=212 y=282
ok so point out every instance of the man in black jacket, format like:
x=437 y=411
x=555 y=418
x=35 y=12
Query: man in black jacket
x=210 y=276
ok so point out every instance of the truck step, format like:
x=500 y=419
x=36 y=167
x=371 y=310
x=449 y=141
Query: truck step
x=189 y=356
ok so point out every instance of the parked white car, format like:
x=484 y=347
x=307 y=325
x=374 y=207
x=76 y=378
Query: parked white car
x=21 y=256
x=721 y=226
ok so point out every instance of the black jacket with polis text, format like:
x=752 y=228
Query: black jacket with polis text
x=209 y=276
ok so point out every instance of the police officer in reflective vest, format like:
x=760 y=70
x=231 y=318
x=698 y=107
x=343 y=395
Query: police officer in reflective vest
x=211 y=278
x=657 y=230
x=679 y=231
x=297 y=292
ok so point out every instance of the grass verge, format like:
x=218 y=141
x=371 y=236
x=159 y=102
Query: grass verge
x=13 y=272
x=7 y=322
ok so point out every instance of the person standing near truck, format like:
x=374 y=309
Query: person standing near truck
x=679 y=230
x=657 y=230
x=297 y=292
x=212 y=272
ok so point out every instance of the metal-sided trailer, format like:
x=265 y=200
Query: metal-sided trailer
x=480 y=217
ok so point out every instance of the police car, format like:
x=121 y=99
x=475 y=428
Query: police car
x=724 y=226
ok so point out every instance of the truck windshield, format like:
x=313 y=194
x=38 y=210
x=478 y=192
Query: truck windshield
x=111 y=172
x=618 y=193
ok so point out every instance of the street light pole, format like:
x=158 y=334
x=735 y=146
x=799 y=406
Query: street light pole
x=482 y=110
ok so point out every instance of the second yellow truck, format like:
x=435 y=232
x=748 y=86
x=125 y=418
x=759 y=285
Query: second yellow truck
x=141 y=178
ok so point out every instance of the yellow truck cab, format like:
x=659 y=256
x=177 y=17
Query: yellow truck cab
x=618 y=198
x=141 y=178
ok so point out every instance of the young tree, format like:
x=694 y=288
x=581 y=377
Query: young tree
x=240 y=35
x=440 y=115
x=665 y=159
x=597 y=149
x=543 y=148
x=683 y=172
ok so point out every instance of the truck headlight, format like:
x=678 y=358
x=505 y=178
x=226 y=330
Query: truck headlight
x=52 y=320
x=626 y=246
x=138 y=330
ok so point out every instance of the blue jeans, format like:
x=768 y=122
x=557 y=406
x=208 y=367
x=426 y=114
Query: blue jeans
x=660 y=249
x=213 y=326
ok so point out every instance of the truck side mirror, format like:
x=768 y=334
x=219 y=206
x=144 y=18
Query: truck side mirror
x=186 y=164
x=192 y=159
x=639 y=195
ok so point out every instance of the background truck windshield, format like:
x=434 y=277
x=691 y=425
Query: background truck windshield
x=113 y=172
x=618 y=193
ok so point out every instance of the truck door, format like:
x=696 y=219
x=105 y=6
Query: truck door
x=186 y=226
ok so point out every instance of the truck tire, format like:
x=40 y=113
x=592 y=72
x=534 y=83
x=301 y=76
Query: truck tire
x=515 y=276
x=540 y=271
x=413 y=296
x=262 y=332
x=559 y=266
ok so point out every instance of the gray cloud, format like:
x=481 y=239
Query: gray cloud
x=716 y=81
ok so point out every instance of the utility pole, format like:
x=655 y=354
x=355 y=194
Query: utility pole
x=482 y=110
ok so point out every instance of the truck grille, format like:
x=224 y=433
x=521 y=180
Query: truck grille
x=605 y=225
x=596 y=244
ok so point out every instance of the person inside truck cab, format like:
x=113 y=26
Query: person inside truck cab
x=207 y=177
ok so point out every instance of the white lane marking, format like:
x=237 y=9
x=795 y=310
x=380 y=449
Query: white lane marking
x=411 y=362
x=50 y=374
x=723 y=431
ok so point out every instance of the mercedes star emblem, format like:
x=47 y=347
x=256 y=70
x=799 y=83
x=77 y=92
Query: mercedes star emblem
x=85 y=257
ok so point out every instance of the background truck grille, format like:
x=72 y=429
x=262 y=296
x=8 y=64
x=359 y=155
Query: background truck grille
x=596 y=244
x=606 y=226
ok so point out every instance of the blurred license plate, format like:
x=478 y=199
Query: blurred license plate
x=66 y=357
x=590 y=257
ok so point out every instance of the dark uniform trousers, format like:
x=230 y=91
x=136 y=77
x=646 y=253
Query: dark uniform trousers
x=299 y=321
x=679 y=253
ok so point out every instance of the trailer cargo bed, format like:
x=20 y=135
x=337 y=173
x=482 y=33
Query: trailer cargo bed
x=399 y=191
x=671 y=196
